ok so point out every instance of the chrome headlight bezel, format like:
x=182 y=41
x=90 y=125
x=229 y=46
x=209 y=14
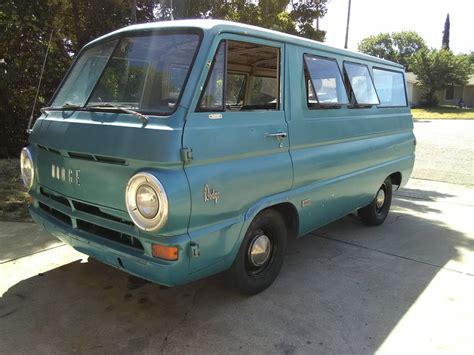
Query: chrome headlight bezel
x=142 y=222
x=26 y=155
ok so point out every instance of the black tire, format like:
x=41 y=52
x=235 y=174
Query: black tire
x=248 y=278
x=375 y=213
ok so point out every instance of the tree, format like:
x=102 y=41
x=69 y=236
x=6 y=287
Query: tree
x=437 y=68
x=445 y=42
x=305 y=14
x=397 y=47
x=271 y=14
x=380 y=46
x=25 y=27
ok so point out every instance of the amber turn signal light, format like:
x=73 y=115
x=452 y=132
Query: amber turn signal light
x=164 y=252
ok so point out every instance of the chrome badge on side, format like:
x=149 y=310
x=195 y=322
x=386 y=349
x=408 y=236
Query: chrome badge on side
x=71 y=176
x=211 y=194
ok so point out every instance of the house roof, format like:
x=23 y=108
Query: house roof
x=411 y=78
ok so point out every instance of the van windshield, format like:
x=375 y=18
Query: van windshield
x=145 y=72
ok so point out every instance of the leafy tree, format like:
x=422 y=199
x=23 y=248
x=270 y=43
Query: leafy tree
x=25 y=28
x=304 y=14
x=397 y=47
x=437 y=68
x=380 y=46
x=445 y=42
x=270 y=14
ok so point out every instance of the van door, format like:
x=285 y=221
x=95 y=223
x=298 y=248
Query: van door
x=237 y=137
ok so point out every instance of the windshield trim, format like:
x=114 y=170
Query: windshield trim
x=137 y=33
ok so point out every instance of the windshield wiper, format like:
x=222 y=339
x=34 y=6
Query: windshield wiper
x=144 y=119
x=66 y=106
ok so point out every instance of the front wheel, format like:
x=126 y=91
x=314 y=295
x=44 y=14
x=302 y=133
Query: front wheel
x=261 y=253
x=376 y=212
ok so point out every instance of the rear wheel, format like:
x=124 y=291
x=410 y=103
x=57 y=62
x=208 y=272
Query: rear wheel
x=261 y=253
x=376 y=212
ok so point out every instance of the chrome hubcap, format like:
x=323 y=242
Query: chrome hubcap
x=259 y=250
x=380 y=199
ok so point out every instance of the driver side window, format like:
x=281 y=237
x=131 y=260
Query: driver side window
x=244 y=76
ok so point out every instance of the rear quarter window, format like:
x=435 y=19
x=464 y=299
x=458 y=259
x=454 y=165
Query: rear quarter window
x=390 y=86
x=323 y=82
x=360 y=82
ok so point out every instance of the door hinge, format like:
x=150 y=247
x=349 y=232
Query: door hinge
x=194 y=250
x=186 y=155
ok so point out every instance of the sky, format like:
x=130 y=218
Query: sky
x=426 y=17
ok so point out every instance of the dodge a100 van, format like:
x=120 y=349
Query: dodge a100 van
x=177 y=150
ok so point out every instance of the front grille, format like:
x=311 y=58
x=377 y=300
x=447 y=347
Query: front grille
x=57 y=198
x=87 y=226
x=56 y=214
x=84 y=207
x=109 y=234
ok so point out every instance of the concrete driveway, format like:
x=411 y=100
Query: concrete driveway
x=404 y=287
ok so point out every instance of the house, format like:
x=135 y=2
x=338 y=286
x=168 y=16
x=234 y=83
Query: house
x=448 y=96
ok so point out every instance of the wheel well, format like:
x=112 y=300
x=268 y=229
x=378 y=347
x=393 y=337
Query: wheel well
x=396 y=179
x=290 y=216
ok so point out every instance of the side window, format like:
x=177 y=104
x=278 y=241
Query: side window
x=324 y=85
x=244 y=76
x=390 y=87
x=360 y=82
x=449 y=92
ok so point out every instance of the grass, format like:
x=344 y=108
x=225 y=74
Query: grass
x=13 y=195
x=443 y=112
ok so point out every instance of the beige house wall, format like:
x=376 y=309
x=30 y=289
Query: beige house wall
x=458 y=93
x=466 y=92
x=469 y=95
x=414 y=94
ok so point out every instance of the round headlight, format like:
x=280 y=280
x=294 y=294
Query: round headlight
x=27 y=168
x=147 y=203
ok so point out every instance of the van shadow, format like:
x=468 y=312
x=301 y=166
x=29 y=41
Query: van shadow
x=343 y=290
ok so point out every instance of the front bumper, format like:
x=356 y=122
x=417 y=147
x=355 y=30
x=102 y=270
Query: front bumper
x=123 y=257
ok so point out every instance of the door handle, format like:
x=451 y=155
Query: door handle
x=277 y=135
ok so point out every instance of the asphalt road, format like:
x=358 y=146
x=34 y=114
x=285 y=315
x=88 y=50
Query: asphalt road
x=404 y=287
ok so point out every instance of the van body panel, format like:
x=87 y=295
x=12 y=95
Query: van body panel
x=232 y=155
x=341 y=156
x=106 y=150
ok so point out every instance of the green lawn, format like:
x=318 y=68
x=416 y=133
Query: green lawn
x=443 y=112
x=13 y=196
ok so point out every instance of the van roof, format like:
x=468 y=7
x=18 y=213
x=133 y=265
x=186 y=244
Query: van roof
x=218 y=26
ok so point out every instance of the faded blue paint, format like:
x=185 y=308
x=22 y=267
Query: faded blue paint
x=337 y=158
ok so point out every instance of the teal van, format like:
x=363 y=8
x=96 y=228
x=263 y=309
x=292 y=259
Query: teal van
x=177 y=150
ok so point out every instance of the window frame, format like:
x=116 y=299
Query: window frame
x=250 y=40
x=322 y=106
x=355 y=104
x=404 y=87
x=208 y=78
